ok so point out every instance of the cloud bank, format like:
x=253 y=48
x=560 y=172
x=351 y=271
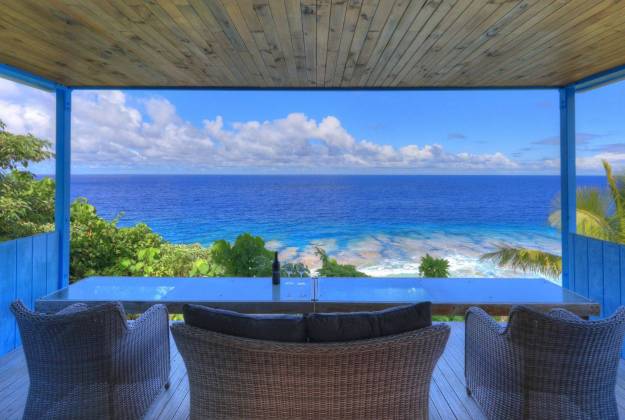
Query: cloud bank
x=112 y=132
x=107 y=130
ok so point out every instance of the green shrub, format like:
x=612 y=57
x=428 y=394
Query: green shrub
x=170 y=260
x=26 y=203
x=97 y=246
x=331 y=268
x=247 y=257
x=433 y=267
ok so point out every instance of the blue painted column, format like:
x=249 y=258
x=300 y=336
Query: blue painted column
x=567 y=179
x=63 y=161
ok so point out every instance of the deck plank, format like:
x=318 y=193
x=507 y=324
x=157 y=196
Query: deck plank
x=448 y=399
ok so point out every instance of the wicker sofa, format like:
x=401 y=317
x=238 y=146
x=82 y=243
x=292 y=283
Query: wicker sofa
x=543 y=366
x=90 y=363
x=386 y=377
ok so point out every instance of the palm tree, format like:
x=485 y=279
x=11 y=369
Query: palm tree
x=599 y=214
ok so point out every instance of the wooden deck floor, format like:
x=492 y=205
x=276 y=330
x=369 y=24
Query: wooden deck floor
x=448 y=399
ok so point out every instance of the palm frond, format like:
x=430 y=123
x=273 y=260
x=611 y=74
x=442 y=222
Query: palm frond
x=526 y=259
x=588 y=224
x=615 y=185
x=593 y=214
x=593 y=200
x=614 y=190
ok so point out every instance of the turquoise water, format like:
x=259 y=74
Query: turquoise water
x=382 y=224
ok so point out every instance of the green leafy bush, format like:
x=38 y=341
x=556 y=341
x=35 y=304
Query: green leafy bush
x=97 y=246
x=433 y=267
x=172 y=260
x=18 y=151
x=247 y=257
x=331 y=268
x=26 y=203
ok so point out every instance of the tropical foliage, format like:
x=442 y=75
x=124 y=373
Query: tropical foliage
x=599 y=214
x=528 y=260
x=18 y=151
x=26 y=203
x=331 y=268
x=433 y=267
x=246 y=257
x=171 y=260
x=99 y=246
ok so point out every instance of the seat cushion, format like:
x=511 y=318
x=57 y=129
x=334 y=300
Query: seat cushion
x=332 y=327
x=287 y=328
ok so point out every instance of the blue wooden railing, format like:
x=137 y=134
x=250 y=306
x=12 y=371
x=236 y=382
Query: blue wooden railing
x=599 y=272
x=28 y=270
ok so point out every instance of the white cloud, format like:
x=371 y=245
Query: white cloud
x=27 y=119
x=109 y=132
x=26 y=110
x=593 y=164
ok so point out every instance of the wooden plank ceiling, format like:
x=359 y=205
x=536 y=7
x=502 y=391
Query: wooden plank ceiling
x=312 y=43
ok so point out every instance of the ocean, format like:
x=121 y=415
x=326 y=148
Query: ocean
x=381 y=224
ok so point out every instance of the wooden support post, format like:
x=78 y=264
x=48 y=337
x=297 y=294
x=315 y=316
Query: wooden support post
x=567 y=179
x=63 y=161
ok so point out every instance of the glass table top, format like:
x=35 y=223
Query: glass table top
x=232 y=289
x=445 y=290
x=297 y=295
x=181 y=289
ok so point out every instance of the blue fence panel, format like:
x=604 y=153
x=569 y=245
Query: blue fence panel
x=24 y=274
x=27 y=272
x=580 y=265
x=40 y=265
x=599 y=273
x=595 y=271
x=8 y=252
x=611 y=277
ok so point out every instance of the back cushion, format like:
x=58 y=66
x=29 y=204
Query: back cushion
x=328 y=327
x=288 y=328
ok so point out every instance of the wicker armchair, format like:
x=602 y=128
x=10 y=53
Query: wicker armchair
x=543 y=365
x=240 y=378
x=91 y=363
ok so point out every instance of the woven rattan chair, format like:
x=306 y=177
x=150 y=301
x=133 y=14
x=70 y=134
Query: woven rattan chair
x=90 y=363
x=380 y=378
x=543 y=366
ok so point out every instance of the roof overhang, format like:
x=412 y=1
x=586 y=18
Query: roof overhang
x=313 y=43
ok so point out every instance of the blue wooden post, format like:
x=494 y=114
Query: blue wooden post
x=63 y=158
x=600 y=79
x=21 y=76
x=567 y=179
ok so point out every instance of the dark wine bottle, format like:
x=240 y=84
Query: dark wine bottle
x=275 y=275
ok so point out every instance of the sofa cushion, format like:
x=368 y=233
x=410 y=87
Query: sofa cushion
x=288 y=328
x=329 y=327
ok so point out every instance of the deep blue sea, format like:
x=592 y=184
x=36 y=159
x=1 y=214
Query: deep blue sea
x=382 y=224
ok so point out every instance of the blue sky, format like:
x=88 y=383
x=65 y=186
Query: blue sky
x=429 y=132
x=461 y=120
